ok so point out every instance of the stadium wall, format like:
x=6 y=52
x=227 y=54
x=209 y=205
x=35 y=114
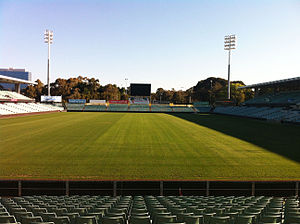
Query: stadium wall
x=11 y=188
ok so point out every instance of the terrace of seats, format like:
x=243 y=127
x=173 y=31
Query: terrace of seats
x=8 y=95
x=94 y=108
x=139 y=107
x=161 y=108
x=267 y=113
x=281 y=98
x=21 y=108
x=75 y=106
x=182 y=109
x=149 y=210
x=117 y=107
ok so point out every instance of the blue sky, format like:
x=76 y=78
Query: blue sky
x=170 y=43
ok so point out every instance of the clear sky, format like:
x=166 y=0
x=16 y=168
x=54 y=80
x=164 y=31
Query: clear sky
x=170 y=43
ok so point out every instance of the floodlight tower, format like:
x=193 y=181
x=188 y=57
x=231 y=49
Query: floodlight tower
x=48 y=38
x=229 y=44
x=126 y=79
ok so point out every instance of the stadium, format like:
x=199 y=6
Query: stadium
x=168 y=147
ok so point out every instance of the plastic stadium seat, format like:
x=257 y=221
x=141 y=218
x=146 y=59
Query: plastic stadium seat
x=271 y=218
x=7 y=219
x=19 y=215
x=60 y=220
x=292 y=219
x=140 y=219
x=98 y=215
x=181 y=216
x=86 y=220
x=159 y=219
x=46 y=216
x=42 y=223
x=112 y=220
x=220 y=220
x=244 y=219
x=194 y=219
x=139 y=210
x=13 y=210
x=4 y=214
x=3 y=209
x=29 y=220
x=72 y=216
x=81 y=211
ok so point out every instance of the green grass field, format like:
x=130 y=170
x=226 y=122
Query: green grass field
x=135 y=146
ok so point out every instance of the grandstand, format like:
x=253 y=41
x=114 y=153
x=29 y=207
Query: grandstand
x=150 y=209
x=12 y=103
x=282 y=106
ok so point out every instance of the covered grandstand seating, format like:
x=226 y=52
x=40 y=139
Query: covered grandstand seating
x=8 y=95
x=150 y=209
x=267 y=113
x=20 y=108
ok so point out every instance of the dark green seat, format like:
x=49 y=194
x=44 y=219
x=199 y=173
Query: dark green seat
x=140 y=219
x=194 y=219
x=98 y=215
x=81 y=211
x=207 y=217
x=112 y=220
x=271 y=218
x=46 y=216
x=165 y=219
x=292 y=219
x=3 y=209
x=38 y=211
x=181 y=216
x=42 y=223
x=7 y=219
x=244 y=219
x=19 y=215
x=60 y=211
x=139 y=210
x=13 y=210
x=219 y=220
x=86 y=220
x=29 y=220
x=72 y=216
x=60 y=220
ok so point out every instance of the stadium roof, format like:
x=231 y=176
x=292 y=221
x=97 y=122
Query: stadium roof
x=271 y=83
x=7 y=79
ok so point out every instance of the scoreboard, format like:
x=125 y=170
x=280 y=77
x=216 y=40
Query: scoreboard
x=140 y=89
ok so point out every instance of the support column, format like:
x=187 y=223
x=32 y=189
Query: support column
x=67 y=188
x=19 y=188
x=297 y=189
x=207 y=188
x=18 y=87
x=115 y=188
x=161 y=188
x=253 y=189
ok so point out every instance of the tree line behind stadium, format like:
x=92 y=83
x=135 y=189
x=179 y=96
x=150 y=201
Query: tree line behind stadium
x=211 y=90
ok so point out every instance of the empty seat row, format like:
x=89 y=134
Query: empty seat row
x=149 y=210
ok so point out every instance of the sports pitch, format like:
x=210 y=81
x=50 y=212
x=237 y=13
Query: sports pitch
x=137 y=146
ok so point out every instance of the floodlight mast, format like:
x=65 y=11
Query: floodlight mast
x=48 y=38
x=229 y=44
